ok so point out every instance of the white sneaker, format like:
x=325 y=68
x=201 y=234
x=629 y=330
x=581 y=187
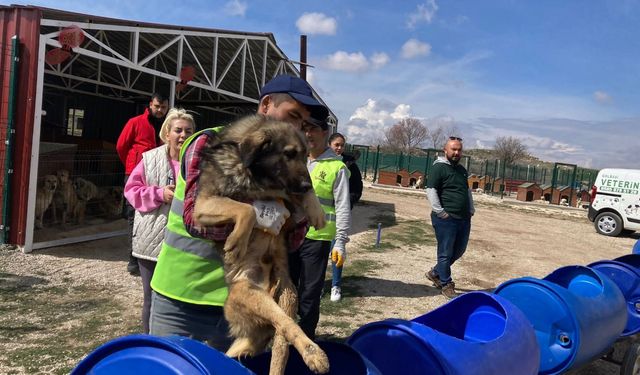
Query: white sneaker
x=336 y=294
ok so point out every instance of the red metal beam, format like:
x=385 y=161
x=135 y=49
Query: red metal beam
x=25 y=23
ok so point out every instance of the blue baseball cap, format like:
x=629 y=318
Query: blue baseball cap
x=298 y=89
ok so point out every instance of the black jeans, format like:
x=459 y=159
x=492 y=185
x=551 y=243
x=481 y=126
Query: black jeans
x=307 y=268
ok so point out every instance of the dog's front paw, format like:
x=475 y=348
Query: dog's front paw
x=317 y=220
x=313 y=210
x=236 y=245
x=316 y=359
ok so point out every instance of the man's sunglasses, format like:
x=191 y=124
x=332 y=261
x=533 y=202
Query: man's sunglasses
x=455 y=139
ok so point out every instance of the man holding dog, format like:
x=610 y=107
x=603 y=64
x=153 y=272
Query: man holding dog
x=308 y=265
x=139 y=135
x=451 y=212
x=188 y=283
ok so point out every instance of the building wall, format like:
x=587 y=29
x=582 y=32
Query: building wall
x=25 y=23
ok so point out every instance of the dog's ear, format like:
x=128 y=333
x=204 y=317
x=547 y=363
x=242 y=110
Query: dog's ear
x=253 y=146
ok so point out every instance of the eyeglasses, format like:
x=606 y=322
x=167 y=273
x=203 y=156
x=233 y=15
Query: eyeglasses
x=455 y=139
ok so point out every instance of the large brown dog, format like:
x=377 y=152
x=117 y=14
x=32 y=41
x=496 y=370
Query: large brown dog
x=256 y=158
x=85 y=190
x=44 y=197
x=65 y=199
x=108 y=201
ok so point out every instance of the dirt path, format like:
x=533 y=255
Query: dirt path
x=57 y=305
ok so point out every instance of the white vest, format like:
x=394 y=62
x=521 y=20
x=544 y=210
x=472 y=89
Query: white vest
x=148 y=227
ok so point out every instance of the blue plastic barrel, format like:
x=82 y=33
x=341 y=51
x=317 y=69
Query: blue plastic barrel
x=576 y=311
x=636 y=248
x=476 y=333
x=625 y=272
x=145 y=354
x=343 y=360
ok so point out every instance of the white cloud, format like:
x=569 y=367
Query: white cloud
x=378 y=60
x=368 y=122
x=425 y=12
x=602 y=97
x=414 y=48
x=235 y=8
x=349 y=62
x=317 y=23
x=354 y=62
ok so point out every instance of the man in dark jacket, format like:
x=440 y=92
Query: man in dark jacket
x=451 y=211
x=140 y=134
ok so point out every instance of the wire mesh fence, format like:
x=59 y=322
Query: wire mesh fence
x=88 y=192
x=490 y=176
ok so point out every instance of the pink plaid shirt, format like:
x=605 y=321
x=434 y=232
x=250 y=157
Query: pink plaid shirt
x=191 y=160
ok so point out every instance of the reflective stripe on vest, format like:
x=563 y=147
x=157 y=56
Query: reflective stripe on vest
x=189 y=269
x=196 y=246
x=323 y=177
x=327 y=202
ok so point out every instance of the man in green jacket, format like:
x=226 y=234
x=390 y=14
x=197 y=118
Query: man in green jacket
x=451 y=211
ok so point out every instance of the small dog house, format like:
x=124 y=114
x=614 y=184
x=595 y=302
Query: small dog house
x=546 y=192
x=529 y=192
x=564 y=195
x=476 y=182
x=400 y=178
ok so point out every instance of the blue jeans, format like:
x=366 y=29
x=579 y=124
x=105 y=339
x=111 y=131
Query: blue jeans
x=203 y=323
x=452 y=236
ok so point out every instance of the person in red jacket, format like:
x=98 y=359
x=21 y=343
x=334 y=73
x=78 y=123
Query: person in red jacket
x=140 y=134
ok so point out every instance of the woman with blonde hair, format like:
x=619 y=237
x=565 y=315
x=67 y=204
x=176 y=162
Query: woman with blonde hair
x=150 y=190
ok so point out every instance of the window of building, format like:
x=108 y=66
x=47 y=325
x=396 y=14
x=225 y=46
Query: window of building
x=75 y=122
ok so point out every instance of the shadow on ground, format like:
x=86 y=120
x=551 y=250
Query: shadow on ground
x=365 y=213
x=113 y=249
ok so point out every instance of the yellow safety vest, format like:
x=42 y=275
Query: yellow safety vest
x=189 y=269
x=323 y=177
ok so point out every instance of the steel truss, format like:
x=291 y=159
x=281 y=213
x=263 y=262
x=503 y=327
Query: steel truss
x=132 y=62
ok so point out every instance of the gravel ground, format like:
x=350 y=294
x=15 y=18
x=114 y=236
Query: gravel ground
x=59 y=304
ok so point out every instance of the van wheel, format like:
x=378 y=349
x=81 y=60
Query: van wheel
x=608 y=224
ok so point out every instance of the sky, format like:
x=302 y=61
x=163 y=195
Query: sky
x=560 y=75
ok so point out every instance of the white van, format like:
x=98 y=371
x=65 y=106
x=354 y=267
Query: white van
x=615 y=201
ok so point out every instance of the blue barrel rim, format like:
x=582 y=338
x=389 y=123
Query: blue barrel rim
x=633 y=298
x=631 y=259
x=254 y=364
x=618 y=262
x=577 y=267
x=459 y=300
x=559 y=298
x=400 y=325
x=132 y=341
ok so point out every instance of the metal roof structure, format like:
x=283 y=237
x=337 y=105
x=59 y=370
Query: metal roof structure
x=130 y=60
x=119 y=60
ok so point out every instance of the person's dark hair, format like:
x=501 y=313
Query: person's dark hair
x=336 y=135
x=159 y=97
